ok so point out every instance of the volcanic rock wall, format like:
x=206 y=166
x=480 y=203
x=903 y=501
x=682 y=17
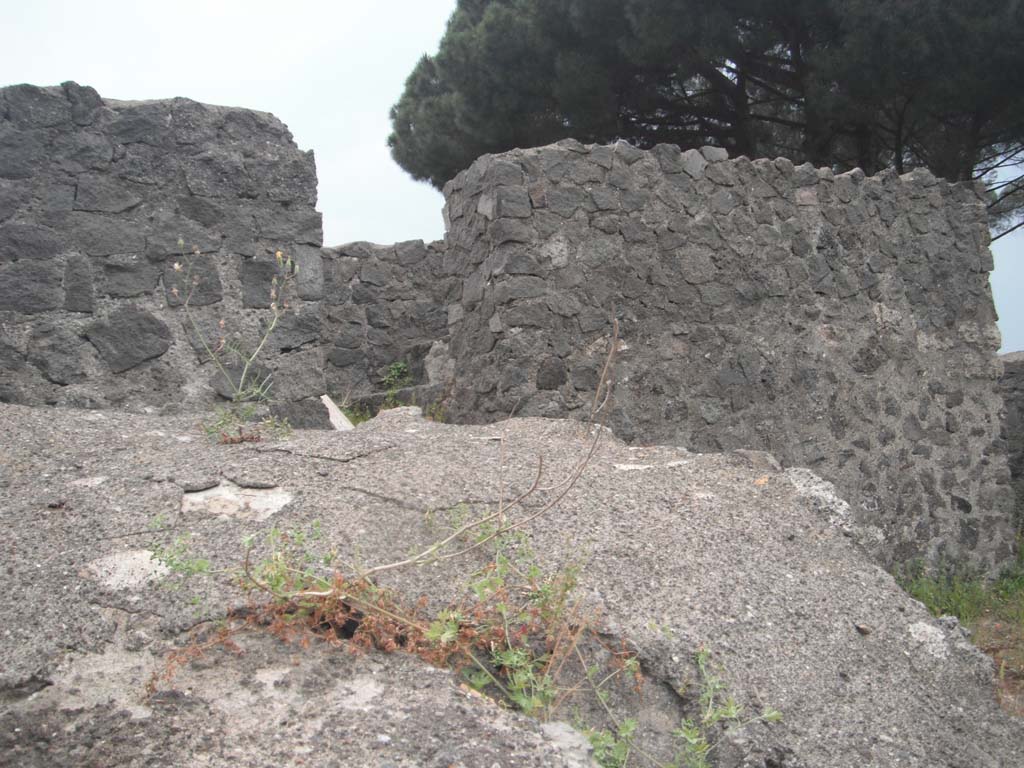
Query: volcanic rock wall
x=842 y=323
x=1012 y=386
x=94 y=197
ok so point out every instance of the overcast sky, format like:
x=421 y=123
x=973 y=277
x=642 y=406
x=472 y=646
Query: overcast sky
x=329 y=69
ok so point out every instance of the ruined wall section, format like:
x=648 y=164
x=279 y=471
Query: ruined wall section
x=385 y=304
x=842 y=323
x=94 y=196
x=1012 y=387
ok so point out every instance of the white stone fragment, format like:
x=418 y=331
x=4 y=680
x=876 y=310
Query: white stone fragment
x=228 y=500
x=338 y=419
x=931 y=638
x=127 y=570
x=90 y=482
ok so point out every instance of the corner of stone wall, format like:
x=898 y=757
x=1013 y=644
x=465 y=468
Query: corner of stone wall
x=762 y=305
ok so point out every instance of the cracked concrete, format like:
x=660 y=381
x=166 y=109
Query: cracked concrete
x=717 y=551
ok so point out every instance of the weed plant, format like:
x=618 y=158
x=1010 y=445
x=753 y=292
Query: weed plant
x=396 y=378
x=516 y=632
x=969 y=597
x=993 y=611
x=244 y=420
x=357 y=414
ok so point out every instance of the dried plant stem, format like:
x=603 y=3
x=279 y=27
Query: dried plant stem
x=433 y=553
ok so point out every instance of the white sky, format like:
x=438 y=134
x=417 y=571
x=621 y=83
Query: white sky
x=329 y=70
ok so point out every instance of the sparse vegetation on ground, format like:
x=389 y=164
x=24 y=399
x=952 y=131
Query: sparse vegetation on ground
x=516 y=632
x=396 y=378
x=993 y=611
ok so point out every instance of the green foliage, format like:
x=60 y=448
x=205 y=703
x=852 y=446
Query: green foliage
x=435 y=412
x=177 y=555
x=842 y=83
x=992 y=610
x=293 y=560
x=357 y=414
x=950 y=595
x=612 y=750
x=396 y=378
x=967 y=596
x=244 y=422
x=717 y=709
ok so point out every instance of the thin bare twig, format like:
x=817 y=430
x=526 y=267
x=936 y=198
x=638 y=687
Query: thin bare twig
x=434 y=553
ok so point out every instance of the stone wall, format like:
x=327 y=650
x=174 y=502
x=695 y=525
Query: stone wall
x=1012 y=386
x=842 y=323
x=94 y=197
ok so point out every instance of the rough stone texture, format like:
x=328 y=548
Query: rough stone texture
x=383 y=304
x=127 y=337
x=1012 y=385
x=841 y=323
x=676 y=551
x=94 y=195
x=93 y=201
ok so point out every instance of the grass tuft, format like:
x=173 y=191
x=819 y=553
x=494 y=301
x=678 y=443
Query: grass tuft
x=993 y=611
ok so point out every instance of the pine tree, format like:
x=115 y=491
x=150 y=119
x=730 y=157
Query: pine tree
x=844 y=83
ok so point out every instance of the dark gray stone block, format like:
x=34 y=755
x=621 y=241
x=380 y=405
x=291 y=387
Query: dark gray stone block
x=166 y=232
x=101 y=235
x=208 y=213
x=410 y=253
x=295 y=330
x=551 y=373
x=129 y=336
x=258 y=282
x=286 y=225
x=289 y=178
x=13 y=195
x=129 y=276
x=78 y=285
x=103 y=194
x=143 y=124
x=309 y=278
x=85 y=102
x=220 y=173
x=669 y=158
x=526 y=287
x=57 y=352
x=22 y=241
x=31 y=286
x=29 y=106
x=342 y=357
x=20 y=153
x=83 y=151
